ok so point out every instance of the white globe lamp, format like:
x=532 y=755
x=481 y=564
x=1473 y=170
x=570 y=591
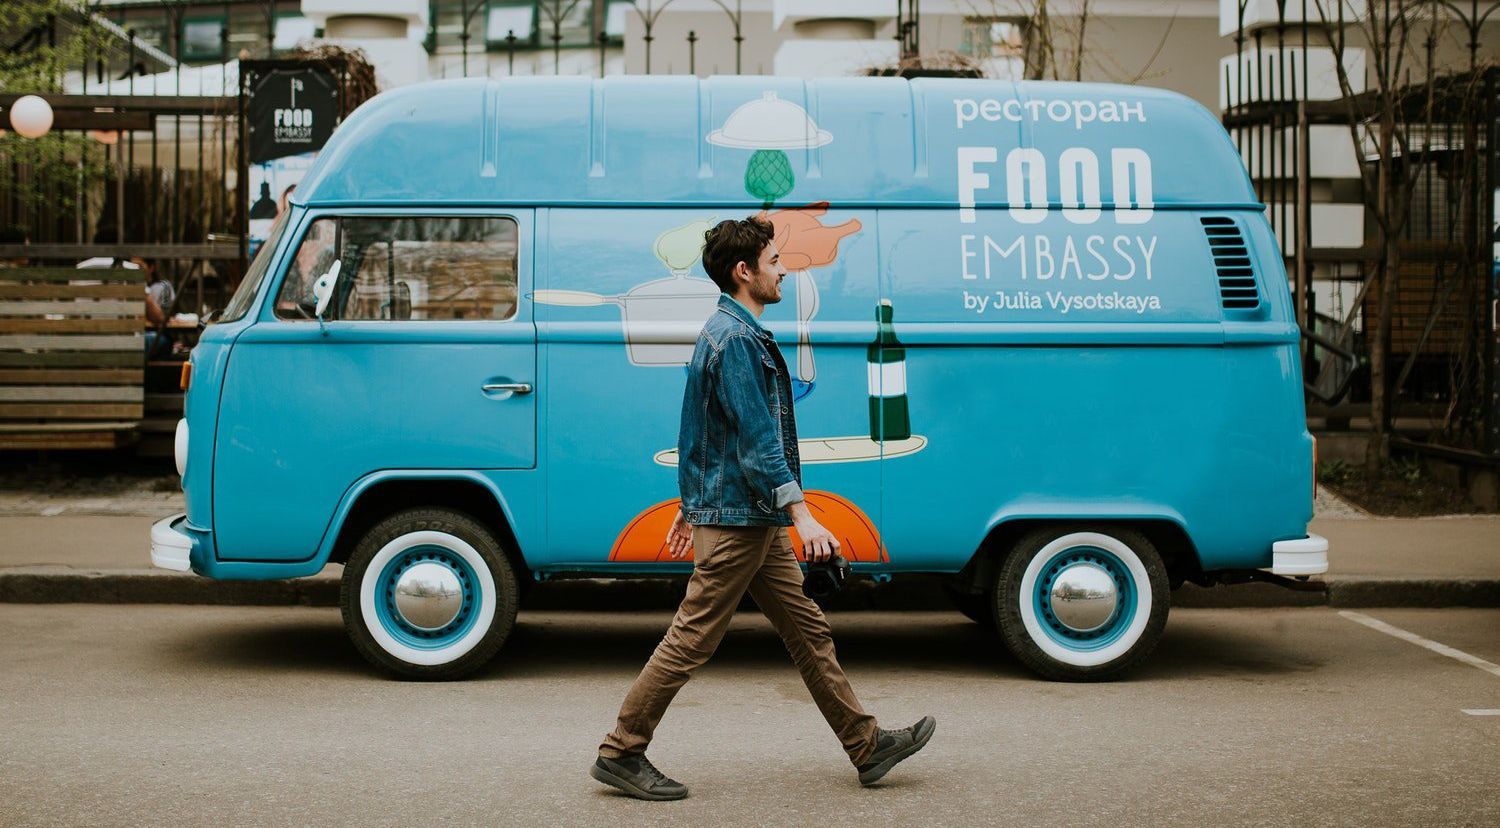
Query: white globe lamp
x=31 y=116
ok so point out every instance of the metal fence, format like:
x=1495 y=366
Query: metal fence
x=1441 y=380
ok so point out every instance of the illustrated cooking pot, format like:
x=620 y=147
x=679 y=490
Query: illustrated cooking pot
x=661 y=317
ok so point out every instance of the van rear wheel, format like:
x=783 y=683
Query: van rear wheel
x=1078 y=603
x=428 y=594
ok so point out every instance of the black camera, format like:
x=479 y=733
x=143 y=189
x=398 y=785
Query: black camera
x=826 y=577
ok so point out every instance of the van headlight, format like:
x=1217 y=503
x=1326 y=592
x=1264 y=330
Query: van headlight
x=180 y=445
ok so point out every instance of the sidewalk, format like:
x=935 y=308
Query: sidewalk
x=56 y=548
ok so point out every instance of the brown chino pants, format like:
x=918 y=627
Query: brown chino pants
x=728 y=560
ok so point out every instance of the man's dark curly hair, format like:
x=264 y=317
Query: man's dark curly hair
x=730 y=242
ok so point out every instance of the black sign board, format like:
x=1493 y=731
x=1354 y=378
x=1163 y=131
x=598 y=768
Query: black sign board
x=289 y=111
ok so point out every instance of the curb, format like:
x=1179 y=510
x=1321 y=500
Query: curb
x=53 y=585
x=50 y=585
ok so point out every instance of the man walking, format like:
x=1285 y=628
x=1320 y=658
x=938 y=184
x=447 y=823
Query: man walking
x=740 y=479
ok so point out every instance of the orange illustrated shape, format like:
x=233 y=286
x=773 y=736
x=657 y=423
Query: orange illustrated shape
x=644 y=539
x=805 y=242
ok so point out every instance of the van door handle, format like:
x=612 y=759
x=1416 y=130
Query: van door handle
x=518 y=387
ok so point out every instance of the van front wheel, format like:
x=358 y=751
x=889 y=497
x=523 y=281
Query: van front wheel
x=1081 y=603
x=428 y=594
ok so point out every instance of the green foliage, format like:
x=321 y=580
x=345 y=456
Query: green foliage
x=1334 y=472
x=1408 y=469
x=54 y=37
x=48 y=49
x=50 y=167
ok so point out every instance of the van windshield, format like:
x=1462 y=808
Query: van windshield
x=244 y=295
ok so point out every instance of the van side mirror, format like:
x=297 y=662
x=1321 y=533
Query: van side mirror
x=323 y=288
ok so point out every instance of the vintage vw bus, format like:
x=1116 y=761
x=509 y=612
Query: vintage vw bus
x=1041 y=338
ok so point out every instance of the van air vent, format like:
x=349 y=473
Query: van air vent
x=1237 y=290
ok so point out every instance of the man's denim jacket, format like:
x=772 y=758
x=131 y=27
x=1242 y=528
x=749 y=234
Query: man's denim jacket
x=737 y=448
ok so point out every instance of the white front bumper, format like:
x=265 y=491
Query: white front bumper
x=1302 y=556
x=170 y=548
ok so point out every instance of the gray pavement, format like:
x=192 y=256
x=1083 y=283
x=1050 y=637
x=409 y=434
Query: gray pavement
x=160 y=715
x=74 y=541
x=72 y=548
x=1440 y=547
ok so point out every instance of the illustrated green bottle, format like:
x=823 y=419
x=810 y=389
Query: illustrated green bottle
x=889 y=417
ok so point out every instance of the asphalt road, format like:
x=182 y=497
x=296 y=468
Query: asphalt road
x=165 y=715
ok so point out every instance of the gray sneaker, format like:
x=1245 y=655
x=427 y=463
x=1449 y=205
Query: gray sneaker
x=891 y=746
x=636 y=776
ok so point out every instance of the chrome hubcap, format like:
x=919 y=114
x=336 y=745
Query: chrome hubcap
x=1084 y=597
x=429 y=595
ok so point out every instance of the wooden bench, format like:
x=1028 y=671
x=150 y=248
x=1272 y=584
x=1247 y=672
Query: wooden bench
x=71 y=357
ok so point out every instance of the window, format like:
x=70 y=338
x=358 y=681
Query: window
x=203 y=38
x=504 y=19
x=244 y=295
x=532 y=21
x=615 y=20
x=450 y=18
x=433 y=268
x=994 y=38
x=998 y=46
x=150 y=26
x=247 y=31
x=572 y=19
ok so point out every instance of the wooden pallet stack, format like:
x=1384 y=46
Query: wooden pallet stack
x=71 y=357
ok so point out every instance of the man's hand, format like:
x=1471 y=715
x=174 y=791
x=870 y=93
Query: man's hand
x=818 y=544
x=679 y=537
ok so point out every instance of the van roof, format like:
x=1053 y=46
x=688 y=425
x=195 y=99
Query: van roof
x=749 y=140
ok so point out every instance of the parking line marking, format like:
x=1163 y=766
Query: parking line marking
x=1441 y=649
x=1490 y=711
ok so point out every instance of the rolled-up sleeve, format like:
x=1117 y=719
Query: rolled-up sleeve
x=742 y=395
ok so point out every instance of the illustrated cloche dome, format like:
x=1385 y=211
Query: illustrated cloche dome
x=770 y=123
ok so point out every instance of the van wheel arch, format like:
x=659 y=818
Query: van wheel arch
x=1171 y=541
x=388 y=497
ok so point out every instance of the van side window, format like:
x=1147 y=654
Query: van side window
x=394 y=268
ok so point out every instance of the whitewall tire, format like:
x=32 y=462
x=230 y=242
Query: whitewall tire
x=428 y=593
x=1081 y=603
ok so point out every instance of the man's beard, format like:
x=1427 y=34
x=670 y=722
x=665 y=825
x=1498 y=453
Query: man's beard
x=768 y=296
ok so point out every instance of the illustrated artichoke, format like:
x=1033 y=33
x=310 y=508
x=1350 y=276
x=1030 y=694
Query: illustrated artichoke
x=769 y=176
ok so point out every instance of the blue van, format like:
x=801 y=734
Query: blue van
x=1041 y=337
